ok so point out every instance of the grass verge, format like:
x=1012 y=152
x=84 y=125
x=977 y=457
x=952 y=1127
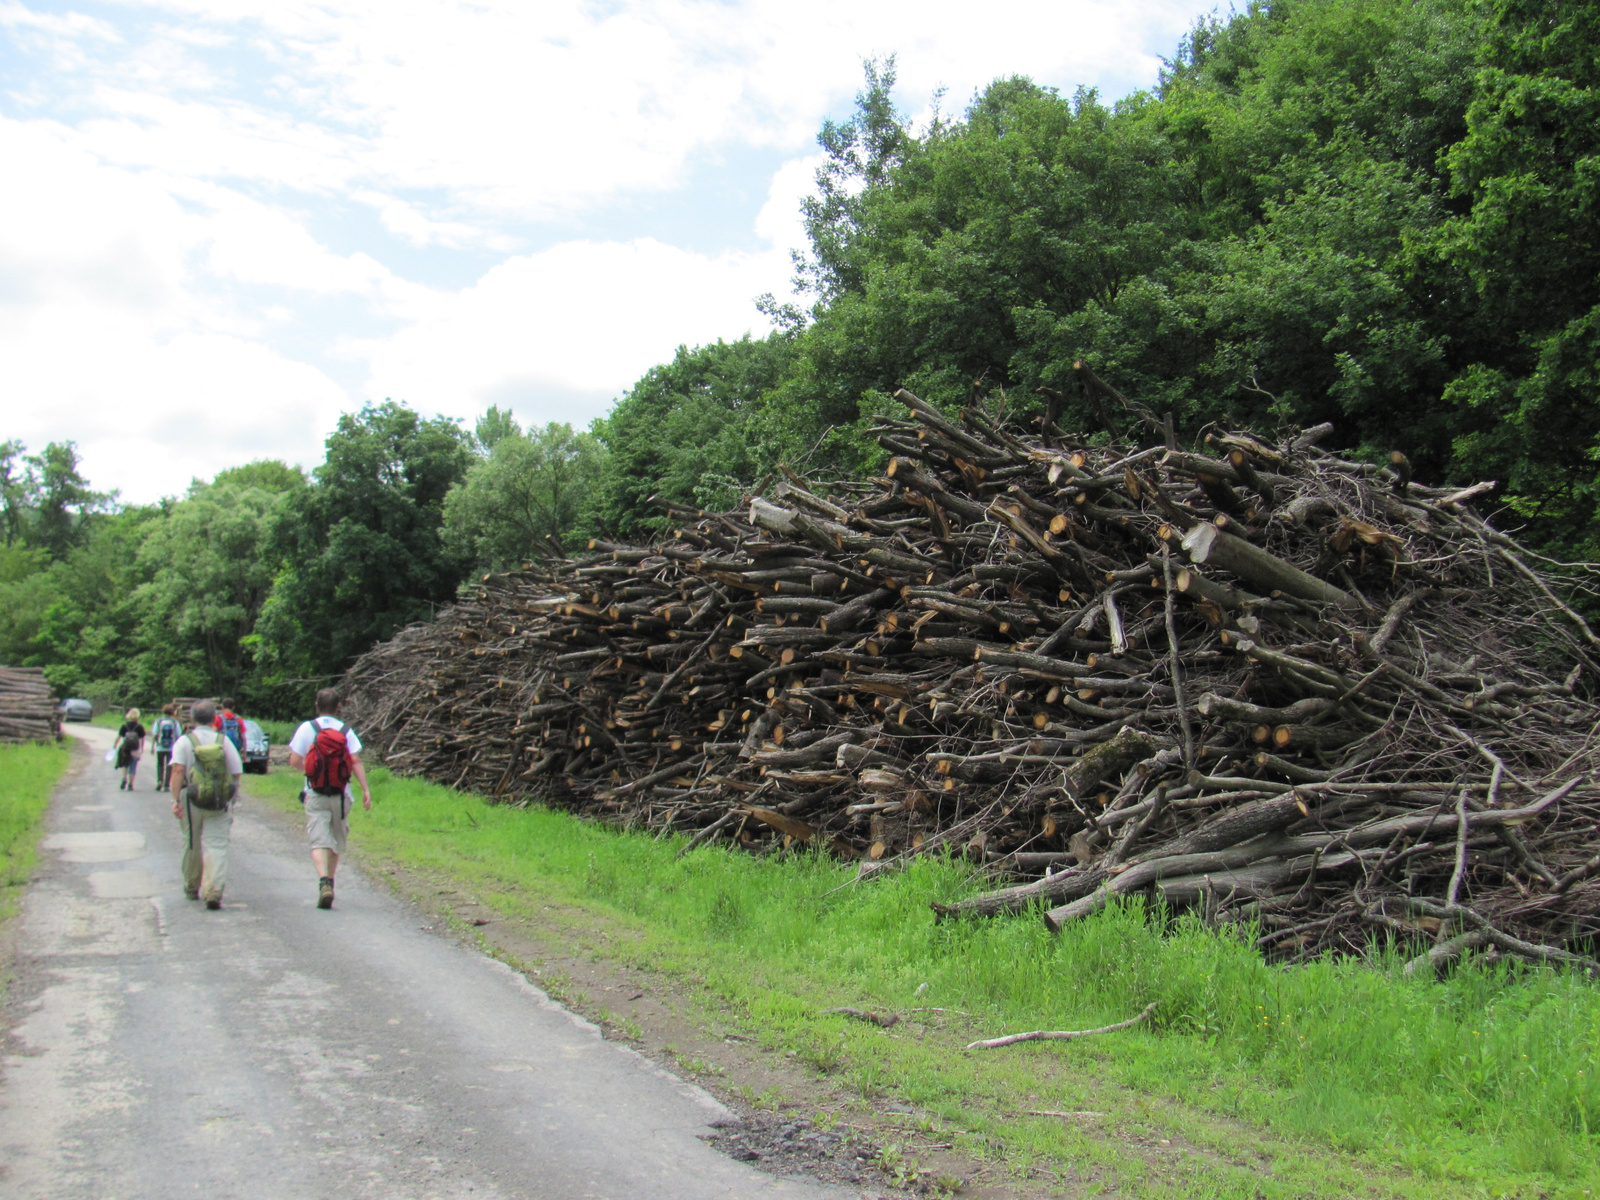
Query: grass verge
x=28 y=774
x=278 y=732
x=1333 y=1079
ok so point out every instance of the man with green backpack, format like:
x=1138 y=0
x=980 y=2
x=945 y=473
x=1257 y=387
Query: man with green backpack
x=205 y=774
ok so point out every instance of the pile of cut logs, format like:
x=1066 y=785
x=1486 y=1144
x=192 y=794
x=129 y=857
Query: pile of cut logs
x=1292 y=691
x=27 y=709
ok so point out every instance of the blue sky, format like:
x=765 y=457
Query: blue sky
x=223 y=222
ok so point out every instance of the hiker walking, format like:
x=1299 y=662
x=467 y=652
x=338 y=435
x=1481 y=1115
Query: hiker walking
x=205 y=774
x=329 y=752
x=231 y=725
x=163 y=734
x=130 y=745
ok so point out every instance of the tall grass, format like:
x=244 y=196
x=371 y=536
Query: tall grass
x=28 y=773
x=1488 y=1077
x=278 y=732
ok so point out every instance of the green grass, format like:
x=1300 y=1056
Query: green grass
x=28 y=773
x=278 y=732
x=1331 y=1079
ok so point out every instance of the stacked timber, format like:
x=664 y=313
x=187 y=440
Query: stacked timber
x=27 y=708
x=183 y=705
x=1251 y=677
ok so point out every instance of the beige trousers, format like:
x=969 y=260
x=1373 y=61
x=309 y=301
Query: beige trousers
x=205 y=852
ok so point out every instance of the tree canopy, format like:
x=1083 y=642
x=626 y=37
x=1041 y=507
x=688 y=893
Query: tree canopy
x=361 y=550
x=1379 y=213
x=524 y=499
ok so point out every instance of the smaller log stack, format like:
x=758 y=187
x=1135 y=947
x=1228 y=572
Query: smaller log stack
x=1251 y=677
x=28 y=711
x=181 y=706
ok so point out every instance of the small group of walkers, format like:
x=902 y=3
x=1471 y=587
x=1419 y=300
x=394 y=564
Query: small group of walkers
x=162 y=736
x=203 y=764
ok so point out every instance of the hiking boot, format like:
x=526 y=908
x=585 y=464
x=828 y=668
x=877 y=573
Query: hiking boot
x=213 y=902
x=325 y=893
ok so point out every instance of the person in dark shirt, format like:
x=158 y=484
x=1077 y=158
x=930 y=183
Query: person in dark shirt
x=130 y=745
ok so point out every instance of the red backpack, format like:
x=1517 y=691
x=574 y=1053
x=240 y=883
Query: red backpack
x=328 y=762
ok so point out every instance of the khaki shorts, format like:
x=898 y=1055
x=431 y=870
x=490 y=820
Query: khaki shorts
x=327 y=820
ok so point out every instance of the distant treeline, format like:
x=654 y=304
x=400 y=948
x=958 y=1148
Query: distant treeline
x=1380 y=213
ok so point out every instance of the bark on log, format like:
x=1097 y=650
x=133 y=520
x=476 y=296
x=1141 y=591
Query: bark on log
x=1207 y=544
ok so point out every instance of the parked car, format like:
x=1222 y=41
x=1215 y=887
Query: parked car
x=76 y=710
x=256 y=748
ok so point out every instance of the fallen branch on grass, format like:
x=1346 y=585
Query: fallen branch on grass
x=1051 y=1035
x=710 y=831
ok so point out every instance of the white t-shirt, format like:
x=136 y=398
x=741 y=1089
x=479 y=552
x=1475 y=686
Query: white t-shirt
x=183 y=750
x=306 y=735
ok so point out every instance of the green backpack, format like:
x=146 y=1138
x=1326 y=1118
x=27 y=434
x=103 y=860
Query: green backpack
x=210 y=788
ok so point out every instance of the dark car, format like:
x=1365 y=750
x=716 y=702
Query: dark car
x=256 y=748
x=76 y=710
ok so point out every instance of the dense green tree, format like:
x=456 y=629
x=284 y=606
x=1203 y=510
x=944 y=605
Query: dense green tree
x=267 y=475
x=147 y=601
x=1244 y=243
x=207 y=576
x=74 y=616
x=495 y=424
x=15 y=490
x=361 y=547
x=696 y=431
x=1529 y=166
x=1376 y=212
x=62 y=500
x=44 y=499
x=861 y=153
x=526 y=499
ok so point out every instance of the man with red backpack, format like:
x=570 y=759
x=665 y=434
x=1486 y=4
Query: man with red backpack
x=329 y=752
x=230 y=725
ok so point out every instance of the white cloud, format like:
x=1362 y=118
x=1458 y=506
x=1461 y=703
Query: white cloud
x=118 y=329
x=60 y=28
x=539 y=111
x=560 y=333
x=254 y=244
x=253 y=208
x=149 y=412
x=779 y=220
x=410 y=223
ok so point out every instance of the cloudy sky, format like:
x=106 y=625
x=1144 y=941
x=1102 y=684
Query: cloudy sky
x=223 y=222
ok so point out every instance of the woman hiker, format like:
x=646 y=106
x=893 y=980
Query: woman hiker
x=130 y=744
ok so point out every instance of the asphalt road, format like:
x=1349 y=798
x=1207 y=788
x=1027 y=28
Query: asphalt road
x=274 y=1050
